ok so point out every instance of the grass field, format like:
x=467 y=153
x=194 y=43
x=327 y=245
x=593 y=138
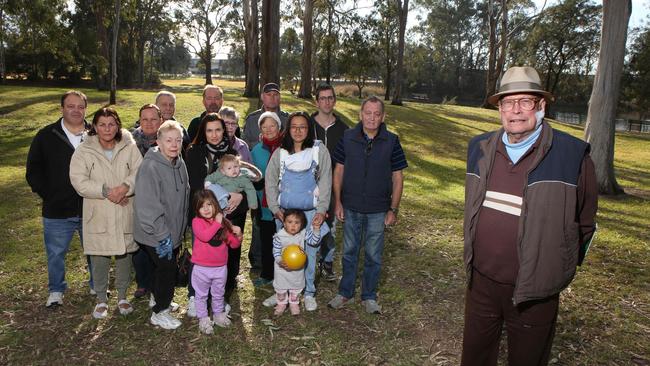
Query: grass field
x=604 y=316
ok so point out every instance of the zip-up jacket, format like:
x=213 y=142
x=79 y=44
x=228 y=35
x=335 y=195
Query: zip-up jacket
x=557 y=212
x=48 y=172
x=107 y=227
x=330 y=135
x=162 y=194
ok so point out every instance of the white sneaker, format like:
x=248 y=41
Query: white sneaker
x=270 y=301
x=55 y=298
x=205 y=325
x=310 y=303
x=221 y=320
x=191 y=307
x=165 y=320
x=173 y=306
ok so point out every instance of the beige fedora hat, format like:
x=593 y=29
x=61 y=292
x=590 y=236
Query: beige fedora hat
x=520 y=79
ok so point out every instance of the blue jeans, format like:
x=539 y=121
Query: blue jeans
x=359 y=230
x=57 y=235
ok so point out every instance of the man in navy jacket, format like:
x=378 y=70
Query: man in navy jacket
x=368 y=183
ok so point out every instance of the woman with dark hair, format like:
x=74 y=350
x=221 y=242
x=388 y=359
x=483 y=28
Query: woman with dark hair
x=202 y=158
x=102 y=171
x=299 y=176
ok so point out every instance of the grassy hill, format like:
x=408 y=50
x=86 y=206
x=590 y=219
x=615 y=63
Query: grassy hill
x=604 y=316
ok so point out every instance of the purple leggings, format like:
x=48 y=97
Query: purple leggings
x=209 y=280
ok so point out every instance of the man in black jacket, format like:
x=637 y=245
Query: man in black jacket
x=48 y=174
x=328 y=128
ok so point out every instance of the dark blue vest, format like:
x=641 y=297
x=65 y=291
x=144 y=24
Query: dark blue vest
x=368 y=177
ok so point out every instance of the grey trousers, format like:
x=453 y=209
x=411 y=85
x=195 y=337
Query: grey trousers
x=101 y=265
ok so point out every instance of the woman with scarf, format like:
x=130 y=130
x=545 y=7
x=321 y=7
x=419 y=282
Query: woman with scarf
x=203 y=154
x=270 y=126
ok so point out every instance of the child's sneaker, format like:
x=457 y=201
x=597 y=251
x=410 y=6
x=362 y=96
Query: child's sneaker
x=279 y=309
x=294 y=308
x=205 y=325
x=222 y=320
x=191 y=307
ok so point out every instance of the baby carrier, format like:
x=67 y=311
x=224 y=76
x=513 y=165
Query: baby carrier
x=298 y=180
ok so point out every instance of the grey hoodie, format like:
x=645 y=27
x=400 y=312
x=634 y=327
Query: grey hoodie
x=162 y=194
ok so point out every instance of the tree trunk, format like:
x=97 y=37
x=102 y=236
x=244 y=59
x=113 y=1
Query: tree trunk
x=305 y=74
x=503 y=42
x=207 y=61
x=389 y=70
x=399 y=72
x=270 y=42
x=599 y=130
x=102 y=38
x=328 y=45
x=116 y=31
x=491 y=77
x=251 y=33
x=141 y=43
x=2 y=46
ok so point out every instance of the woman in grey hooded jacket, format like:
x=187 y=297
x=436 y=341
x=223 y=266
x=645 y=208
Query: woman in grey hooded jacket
x=161 y=201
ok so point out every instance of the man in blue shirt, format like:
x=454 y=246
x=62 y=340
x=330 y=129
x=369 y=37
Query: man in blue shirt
x=368 y=183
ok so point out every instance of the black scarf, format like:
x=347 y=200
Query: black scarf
x=218 y=150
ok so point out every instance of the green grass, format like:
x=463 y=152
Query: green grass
x=604 y=316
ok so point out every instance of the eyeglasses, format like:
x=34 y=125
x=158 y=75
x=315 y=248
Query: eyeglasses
x=298 y=128
x=526 y=104
x=329 y=98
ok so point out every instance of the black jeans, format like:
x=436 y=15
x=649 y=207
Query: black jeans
x=163 y=277
x=237 y=218
x=267 y=230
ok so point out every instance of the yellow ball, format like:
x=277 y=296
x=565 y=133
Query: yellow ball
x=294 y=257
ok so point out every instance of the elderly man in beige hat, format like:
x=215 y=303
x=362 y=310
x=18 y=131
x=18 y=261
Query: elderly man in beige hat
x=530 y=203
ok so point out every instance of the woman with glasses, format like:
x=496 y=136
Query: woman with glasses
x=299 y=176
x=231 y=119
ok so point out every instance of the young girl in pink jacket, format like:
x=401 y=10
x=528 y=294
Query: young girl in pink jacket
x=213 y=234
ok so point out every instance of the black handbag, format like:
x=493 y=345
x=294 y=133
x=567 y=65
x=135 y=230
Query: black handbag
x=183 y=268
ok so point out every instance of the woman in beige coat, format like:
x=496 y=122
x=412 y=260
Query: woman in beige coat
x=103 y=170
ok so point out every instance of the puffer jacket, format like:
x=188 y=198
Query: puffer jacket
x=107 y=227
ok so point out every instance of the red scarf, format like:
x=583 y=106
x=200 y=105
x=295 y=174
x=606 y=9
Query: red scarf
x=272 y=145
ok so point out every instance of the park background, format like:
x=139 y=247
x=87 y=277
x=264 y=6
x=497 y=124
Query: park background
x=50 y=46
